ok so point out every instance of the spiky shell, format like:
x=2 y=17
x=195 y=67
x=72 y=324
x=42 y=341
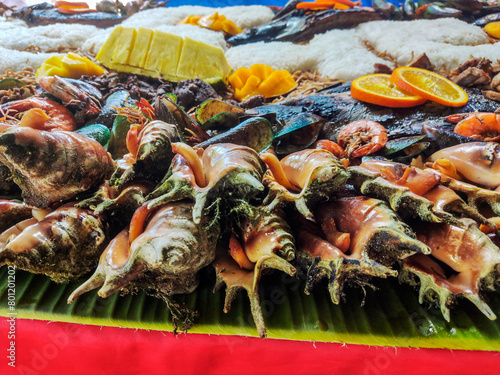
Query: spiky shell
x=164 y=259
x=53 y=166
x=64 y=245
x=268 y=243
x=317 y=174
x=378 y=238
x=470 y=254
x=231 y=171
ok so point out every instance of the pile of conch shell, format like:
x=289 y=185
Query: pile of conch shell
x=169 y=206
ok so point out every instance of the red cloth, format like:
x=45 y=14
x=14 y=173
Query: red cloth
x=53 y=348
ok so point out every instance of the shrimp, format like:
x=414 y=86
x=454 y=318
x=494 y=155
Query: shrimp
x=325 y=144
x=58 y=117
x=86 y=105
x=363 y=137
x=481 y=126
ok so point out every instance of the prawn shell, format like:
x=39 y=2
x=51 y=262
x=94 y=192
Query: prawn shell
x=53 y=166
x=64 y=245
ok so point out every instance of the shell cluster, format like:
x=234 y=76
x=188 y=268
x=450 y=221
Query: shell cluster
x=173 y=200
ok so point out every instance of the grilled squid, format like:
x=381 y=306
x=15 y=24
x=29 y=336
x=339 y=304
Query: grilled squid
x=359 y=237
x=53 y=166
x=64 y=245
x=224 y=170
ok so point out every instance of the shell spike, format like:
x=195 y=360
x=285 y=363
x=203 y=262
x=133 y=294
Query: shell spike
x=249 y=181
x=109 y=288
x=258 y=318
x=201 y=200
x=271 y=261
x=481 y=305
x=96 y=281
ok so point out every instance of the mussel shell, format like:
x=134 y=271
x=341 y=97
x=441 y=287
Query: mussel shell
x=119 y=99
x=11 y=83
x=467 y=5
x=225 y=120
x=301 y=132
x=256 y=133
x=168 y=111
x=436 y=11
x=212 y=107
x=483 y=21
x=400 y=144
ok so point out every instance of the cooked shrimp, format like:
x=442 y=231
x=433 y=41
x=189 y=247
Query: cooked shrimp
x=85 y=104
x=58 y=116
x=363 y=137
x=480 y=126
x=325 y=144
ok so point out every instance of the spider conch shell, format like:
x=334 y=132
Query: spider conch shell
x=64 y=245
x=472 y=259
x=53 y=166
x=360 y=237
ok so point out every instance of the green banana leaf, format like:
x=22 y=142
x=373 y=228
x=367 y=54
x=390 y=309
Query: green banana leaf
x=389 y=316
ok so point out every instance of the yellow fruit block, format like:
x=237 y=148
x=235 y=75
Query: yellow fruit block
x=105 y=54
x=163 y=55
x=493 y=28
x=124 y=46
x=140 y=48
x=200 y=60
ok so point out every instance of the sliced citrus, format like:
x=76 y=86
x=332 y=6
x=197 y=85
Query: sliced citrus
x=493 y=28
x=429 y=85
x=378 y=89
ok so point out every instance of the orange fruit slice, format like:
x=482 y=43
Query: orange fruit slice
x=378 y=89
x=429 y=85
x=493 y=28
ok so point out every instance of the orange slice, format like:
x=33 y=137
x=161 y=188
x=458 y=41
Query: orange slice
x=378 y=89
x=493 y=28
x=429 y=85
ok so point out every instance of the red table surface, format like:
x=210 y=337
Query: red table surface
x=43 y=347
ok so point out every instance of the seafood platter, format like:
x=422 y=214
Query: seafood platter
x=221 y=171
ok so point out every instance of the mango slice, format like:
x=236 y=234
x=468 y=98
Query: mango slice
x=261 y=79
x=71 y=65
